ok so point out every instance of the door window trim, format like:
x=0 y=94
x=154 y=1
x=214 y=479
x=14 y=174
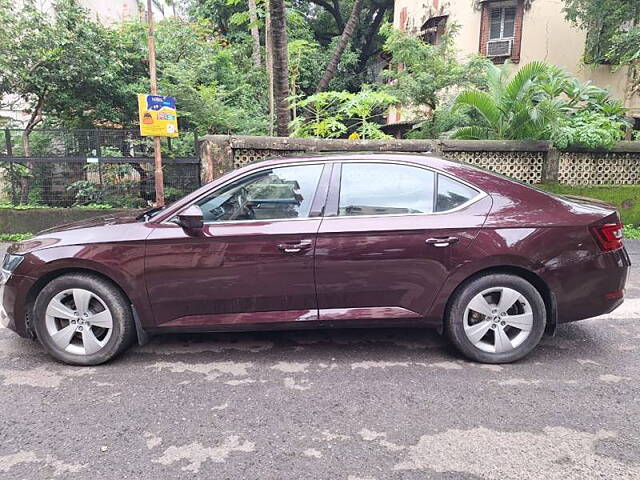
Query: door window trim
x=332 y=175
x=334 y=190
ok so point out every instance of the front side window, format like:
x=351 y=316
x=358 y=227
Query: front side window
x=274 y=194
x=385 y=189
x=452 y=194
x=502 y=23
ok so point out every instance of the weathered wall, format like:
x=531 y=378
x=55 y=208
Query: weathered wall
x=527 y=161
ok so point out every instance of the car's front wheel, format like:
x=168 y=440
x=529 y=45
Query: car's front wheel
x=496 y=318
x=82 y=319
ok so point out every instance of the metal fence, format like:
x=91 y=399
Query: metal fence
x=62 y=168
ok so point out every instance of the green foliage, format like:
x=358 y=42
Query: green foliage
x=421 y=74
x=443 y=121
x=626 y=198
x=632 y=232
x=15 y=237
x=5 y=205
x=341 y=114
x=611 y=34
x=58 y=61
x=589 y=129
x=217 y=87
x=96 y=206
x=541 y=102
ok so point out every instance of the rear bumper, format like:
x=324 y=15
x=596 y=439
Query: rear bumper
x=595 y=287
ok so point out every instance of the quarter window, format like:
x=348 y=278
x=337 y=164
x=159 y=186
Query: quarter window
x=385 y=189
x=279 y=193
x=452 y=194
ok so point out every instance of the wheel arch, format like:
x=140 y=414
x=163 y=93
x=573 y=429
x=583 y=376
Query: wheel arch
x=38 y=285
x=534 y=279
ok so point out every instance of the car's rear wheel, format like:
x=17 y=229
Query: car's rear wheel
x=82 y=319
x=496 y=318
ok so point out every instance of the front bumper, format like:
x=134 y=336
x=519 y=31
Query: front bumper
x=4 y=317
x=12 y=304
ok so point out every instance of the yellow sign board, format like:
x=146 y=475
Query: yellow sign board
x=158 y=117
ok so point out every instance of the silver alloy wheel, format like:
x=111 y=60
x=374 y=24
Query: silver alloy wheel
x=498 y=320
x=78 y=321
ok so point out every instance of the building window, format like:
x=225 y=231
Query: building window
x=503 y=20
x=434 y=29
x=501 y=30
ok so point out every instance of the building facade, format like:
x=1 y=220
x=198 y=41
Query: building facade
x=518 y=30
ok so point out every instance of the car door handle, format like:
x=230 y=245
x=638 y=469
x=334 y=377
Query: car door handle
x=295 y=247
x=442 y=241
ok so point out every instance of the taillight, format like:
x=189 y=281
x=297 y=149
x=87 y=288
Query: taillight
x=608 y=236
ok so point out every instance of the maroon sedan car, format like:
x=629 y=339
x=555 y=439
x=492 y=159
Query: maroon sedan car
x=325 y=241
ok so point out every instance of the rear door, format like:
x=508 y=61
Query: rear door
x=392 y=232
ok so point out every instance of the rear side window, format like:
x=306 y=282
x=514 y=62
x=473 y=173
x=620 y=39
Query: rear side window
x=385 y=189
x=452 y=194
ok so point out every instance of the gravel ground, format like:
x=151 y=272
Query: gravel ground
x=351 y=404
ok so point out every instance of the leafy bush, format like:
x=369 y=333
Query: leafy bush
x=589 y=129
x=541 y=102
x=343 y=114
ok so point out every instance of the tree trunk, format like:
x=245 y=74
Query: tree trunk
x=34 y=120
x=280 y=66
x=347 y=33
x=370 y=41
x=255 y=33
x=268 y=43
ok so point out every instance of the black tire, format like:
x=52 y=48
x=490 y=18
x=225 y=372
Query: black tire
x=454 y=320
x=123 y=330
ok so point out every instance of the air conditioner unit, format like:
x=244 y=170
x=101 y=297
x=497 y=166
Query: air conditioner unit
x=499 y=48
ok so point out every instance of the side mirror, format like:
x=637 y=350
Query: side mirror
x=191 y=219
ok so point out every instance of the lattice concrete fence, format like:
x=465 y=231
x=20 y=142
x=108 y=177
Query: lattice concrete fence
x=527 y=161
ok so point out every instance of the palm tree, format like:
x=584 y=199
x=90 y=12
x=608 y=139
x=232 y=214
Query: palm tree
x=526 y=105
x=280 y=66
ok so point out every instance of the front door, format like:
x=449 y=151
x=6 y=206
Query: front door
x=392 y=234
x=254 y=261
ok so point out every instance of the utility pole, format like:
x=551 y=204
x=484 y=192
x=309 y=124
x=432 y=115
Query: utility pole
x=157 y=148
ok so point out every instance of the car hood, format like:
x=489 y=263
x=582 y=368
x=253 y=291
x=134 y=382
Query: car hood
x=105 y=229
x=91 y=222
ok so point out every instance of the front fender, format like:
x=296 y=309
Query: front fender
x=122 y=263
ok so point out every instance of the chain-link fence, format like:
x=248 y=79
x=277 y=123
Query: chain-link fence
x=63 y=168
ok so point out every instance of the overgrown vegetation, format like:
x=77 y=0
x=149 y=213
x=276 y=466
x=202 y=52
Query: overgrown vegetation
x=613 y=33
x=541 y=102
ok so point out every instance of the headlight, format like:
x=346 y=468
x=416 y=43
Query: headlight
x=9 y=266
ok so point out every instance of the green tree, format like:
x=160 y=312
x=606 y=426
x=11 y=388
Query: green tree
x=55 y=62
x=422 y=74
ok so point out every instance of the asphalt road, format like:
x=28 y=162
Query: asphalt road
x=359 y=404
